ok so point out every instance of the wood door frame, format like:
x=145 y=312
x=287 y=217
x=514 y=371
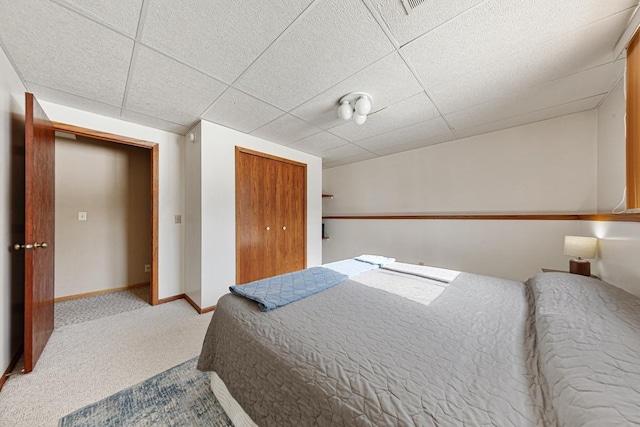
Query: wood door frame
x=632 y=123
x=270 y=156
x=155 y=181
x=304 y=212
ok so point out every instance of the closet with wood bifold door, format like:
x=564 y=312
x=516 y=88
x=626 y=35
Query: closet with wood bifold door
x=271 y=215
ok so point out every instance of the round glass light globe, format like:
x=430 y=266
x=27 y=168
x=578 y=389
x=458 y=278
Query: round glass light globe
x=359 y=119
x=363 y=106
x=345 y=112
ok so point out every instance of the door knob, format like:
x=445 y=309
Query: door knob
x=268 y=228
x=42 y=245
x=284 y=228
x=18 y=246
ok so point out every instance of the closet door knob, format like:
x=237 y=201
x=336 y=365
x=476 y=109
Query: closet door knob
x=284 y=228
x=268 y=228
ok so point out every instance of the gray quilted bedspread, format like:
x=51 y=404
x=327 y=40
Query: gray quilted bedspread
x=589 y=348
x=355 y=355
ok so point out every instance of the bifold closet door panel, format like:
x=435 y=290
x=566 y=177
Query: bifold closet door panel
x=255 y=218
x=290 y=214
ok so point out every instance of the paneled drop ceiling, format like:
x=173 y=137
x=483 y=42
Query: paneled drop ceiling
x=277 y=68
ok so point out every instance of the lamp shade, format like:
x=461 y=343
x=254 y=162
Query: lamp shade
x=582 y=247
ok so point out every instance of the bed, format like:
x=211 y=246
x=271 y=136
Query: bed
x=390 y=347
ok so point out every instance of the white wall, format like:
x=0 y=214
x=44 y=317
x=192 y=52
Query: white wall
x=619 y=242
x=112 y=184
x=11 y=111
x=171 y=171
x=611 y=150
x=193 y=217
x=543 y=167
x=618 y=252
x=510 y=249
x=218 y=204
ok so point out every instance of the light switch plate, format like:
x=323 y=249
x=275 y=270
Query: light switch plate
x=178 y=219
x=82 y=216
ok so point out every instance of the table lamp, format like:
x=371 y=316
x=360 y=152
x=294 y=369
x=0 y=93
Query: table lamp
x=580 y=247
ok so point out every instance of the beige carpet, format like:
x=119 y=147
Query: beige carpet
x=89 y=361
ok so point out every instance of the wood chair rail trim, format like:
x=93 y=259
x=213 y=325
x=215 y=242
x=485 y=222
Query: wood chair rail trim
x=511 y=217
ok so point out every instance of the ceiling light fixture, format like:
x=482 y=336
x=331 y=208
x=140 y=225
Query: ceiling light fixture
x=355 y=105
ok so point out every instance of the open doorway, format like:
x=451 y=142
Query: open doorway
x=106 y=218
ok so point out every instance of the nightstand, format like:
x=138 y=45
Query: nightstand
x=551 y=270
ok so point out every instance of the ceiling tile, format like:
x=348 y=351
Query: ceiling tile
x=56 y=48
x=580 y=50
x=437 y=139
x=348 y=160
x=487 y=64
x=163 y=88
x=578 y=86
x=434 y=129
x=388 y=81
x=239 y=111
x=536 y=116
x=406 y=27
x=412 y=110
x=220 y=38
x=122 y=15
x=334 y=40
x=318 y=143
x=285 y=130
x=496 y=29
x=343 y=152
x=142 y=119
x=44 y=93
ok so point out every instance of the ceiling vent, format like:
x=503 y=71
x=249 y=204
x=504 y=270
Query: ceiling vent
x=411 y=5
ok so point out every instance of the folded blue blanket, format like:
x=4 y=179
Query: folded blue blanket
x=276 y=291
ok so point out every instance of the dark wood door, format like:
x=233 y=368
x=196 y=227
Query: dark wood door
x=17 y=234
x=39 y=231
x=290 y=213
x=255 y=222
x=270 y=216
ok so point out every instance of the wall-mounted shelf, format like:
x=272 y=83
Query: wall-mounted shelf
x=325 y=196
x=323 y=236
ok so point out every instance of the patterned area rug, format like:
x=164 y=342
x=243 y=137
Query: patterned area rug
x=91 y=308
x=179 y=396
